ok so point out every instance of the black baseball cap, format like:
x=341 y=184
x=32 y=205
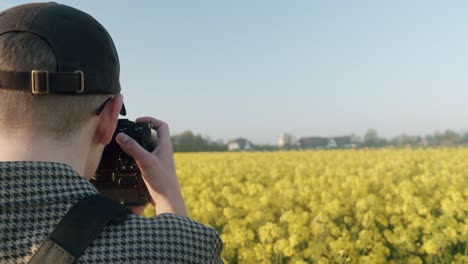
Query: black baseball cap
x=87 y=60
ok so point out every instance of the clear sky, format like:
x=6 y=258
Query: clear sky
x=256 y=68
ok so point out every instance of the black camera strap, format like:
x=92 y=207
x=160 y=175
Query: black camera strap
x=78 y=228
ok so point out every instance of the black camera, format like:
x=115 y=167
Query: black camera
x=118 y=176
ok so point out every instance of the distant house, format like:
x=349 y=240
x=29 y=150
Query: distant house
x=313 y=142
x=240 y=144
x=342 y=141
x=283 y=140
x=286 y=141
x=329 y=143
x=332 y=143
x=346 y=142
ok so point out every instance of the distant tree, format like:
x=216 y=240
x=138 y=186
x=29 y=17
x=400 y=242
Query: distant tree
x=266 y=147
x=431 y=140
x=405 y=140
x=464 y=138
x=372 y=140
x=448 y=138
x=189 y=142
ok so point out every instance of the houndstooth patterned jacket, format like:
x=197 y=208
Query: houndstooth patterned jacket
x=34 y=196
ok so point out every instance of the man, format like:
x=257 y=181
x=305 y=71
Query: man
x=57 y=66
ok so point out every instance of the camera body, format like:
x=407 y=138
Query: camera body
x=118 y=176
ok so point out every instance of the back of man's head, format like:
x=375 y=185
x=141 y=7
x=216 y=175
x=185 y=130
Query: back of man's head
x=77 y=50
x=55 y=115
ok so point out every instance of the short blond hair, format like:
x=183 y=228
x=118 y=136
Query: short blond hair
x=57 y=115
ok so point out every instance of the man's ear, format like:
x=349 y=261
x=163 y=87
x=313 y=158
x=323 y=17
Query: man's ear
x=108 y=120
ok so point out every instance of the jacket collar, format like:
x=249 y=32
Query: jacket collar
x=30 y=182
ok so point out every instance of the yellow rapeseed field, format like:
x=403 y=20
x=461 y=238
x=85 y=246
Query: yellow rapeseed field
x=332 y=206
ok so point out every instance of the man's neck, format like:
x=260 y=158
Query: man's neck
x=27 y=148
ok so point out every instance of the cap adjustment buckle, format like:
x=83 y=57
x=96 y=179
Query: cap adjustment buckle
x=40 y=82
x=61 y=82
x=81 y=81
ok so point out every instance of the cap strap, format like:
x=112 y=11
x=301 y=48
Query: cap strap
x=43 y=82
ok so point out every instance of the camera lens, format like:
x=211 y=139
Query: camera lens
x=127 y=182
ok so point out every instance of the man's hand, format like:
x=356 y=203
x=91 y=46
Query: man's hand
x=157 y=168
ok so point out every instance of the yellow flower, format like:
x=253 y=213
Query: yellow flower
x=340 y=206
x=430 y=247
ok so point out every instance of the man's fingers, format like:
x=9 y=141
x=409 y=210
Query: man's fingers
x=154 y=137
x=160 y=126
x=131 y=147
